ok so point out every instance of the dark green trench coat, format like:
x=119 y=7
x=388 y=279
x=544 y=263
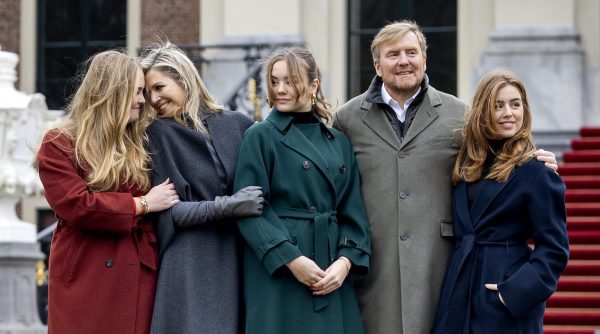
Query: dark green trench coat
x=313 y=207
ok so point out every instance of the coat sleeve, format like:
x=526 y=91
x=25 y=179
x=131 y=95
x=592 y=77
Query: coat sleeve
x=68 y=195
x=354 y=237
x=265 y=234
x=537 y=279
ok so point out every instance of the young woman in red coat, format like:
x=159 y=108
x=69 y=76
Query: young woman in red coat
x=495 y=283
x=94 y=168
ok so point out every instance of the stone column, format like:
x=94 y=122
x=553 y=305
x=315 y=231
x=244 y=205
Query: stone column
x=550 y=61
x=18 y=299
x=21 y=117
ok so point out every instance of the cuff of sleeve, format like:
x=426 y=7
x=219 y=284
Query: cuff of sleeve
x=280 y=255
x=523 y=291
x=359 y=259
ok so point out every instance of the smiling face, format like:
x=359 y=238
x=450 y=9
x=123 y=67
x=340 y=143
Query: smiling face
x=401 y=65
x=166 y=95
x=286 y=97
x=508 y=114
x=138 y=99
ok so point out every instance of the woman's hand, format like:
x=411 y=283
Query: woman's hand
x=305 y=270
x=162 y=196
x=336 y=274
x=494 y=287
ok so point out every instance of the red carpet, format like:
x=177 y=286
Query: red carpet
x=575 y=307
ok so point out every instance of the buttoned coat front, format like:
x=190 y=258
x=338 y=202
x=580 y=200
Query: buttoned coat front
x=313 y=207
x=491 y=247
x=407 y=192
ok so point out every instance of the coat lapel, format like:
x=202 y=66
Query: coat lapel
x=221 y=135
x=295 y=140
x=375 y=119
x=486 y=195
x=424 y=116
x=462 y=207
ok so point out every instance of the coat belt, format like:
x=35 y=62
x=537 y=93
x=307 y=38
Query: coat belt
x=465 y=249
x=322 y=240
x=146 y=242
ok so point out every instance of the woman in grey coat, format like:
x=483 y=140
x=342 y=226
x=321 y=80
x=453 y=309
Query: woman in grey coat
x=194 y=142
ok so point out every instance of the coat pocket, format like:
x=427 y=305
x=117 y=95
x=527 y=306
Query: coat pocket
x=446 y=228
x=65 y=259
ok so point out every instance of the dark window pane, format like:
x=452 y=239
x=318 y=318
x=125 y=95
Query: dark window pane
x=61 y=62
x=437 y=19
x=377 y=13
x=57 y=91
x=441 y=61
x=107 y=20
x=361 y=63
x=435 y=13
x=63 y=20
x=70 y=32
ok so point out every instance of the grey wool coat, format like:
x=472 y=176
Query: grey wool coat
x=199 y=283
x=407 y=192
x=313 y=208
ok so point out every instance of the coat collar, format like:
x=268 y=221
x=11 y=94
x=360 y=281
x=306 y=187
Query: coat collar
x=484 y=199
x=375 y=119
x=295 y=140
x=283 y=121
x=426 y=114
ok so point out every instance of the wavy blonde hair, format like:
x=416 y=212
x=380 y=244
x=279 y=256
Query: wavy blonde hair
x=480 y=128
x=106 y=146
x=174 y=63
x=300 y=63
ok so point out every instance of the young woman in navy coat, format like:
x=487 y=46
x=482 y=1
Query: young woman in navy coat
x=495 y=282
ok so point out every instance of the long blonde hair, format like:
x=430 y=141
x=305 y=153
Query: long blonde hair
x=110 y=150
x=173 y=62
x=479 y=129
x=299 y=61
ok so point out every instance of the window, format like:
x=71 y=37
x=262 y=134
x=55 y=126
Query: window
x=437 y=19
x=69 y=31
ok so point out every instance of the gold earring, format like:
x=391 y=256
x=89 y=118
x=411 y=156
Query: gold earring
x=269 y=102
x=314 y=100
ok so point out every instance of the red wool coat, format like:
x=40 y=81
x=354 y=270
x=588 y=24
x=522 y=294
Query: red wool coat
x=103 y=259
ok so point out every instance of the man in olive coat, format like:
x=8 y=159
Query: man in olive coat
x=405 y=135
x=405 y=153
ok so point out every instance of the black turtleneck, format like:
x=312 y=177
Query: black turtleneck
x=473 y=188
x=307 y=117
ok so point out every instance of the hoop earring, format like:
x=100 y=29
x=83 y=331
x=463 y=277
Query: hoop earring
x=313 y=99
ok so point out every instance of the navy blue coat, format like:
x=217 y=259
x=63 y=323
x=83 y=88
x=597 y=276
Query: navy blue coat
x=491 y=247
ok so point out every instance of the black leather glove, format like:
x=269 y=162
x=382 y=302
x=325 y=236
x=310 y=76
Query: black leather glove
x=246 y=202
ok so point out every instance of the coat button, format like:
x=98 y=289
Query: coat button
x=403 y=195
x=306 y=164
x=329 y=136
x=401 y=154
x=109 y=262
x=404 y=236
x=342 y=168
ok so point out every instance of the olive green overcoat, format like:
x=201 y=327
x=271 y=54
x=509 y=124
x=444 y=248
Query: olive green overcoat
x=313 y=207
x=406 y=187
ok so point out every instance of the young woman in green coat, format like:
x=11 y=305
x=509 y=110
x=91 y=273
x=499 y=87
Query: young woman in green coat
x=313 y=231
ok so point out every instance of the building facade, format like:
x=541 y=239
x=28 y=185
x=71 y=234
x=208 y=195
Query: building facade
x=553 y=45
